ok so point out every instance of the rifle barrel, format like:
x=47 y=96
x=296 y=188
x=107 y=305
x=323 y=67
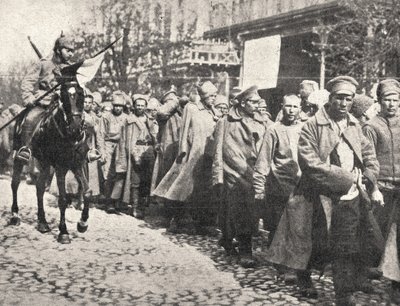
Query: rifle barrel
x=35 y=48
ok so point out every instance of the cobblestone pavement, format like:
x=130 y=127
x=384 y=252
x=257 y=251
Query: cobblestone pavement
x=124 y=261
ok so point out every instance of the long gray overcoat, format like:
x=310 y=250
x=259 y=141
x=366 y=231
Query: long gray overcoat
x=302 y=233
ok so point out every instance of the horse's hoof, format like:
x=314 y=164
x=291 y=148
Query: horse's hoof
x=82 y=227
x=64 y=239
x=43 y=227
x=15 y=221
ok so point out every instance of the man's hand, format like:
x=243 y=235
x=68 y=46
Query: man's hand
x=259 y=196
x=29 y=103
x=377 y=198
x=103 y=160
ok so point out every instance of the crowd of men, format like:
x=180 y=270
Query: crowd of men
x=324 y=176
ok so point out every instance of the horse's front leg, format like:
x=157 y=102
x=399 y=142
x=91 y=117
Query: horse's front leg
x=63 y=236
x=43 y=226
x=85 y=192
x=16 y=179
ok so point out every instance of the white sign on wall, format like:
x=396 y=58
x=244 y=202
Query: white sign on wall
x=261 y=62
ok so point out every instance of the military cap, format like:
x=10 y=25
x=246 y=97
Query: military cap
x=107 y=106
x=387 y=87
x=361 y=103
x=128 y=101
x=234 y=92
x=220 y=99
x=319 y=97
x=153 y=104
x=342 y=85
x=118 y=98
x=88 y=93
x=307 y=87
x=249 y=93
x=64 y=41
x=168 y=93
x=97 y=97
x=136 y=97
x=207 y=89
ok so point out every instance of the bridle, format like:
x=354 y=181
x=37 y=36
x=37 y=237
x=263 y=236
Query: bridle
x=68 y=118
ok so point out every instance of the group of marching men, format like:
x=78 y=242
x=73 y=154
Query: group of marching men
x=324 y=177
x=316 y=176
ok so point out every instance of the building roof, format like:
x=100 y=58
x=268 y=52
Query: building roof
x=288 y=23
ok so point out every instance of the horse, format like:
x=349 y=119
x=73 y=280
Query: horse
x=59 y=140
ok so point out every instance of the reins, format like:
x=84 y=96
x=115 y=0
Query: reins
x=82 y=137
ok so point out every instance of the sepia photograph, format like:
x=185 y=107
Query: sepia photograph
x=199 y=152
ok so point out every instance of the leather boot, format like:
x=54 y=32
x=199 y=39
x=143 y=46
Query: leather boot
x=135 y=201
x=111 y=207
x=305 y=284
x=245 y=252
x=344 y=280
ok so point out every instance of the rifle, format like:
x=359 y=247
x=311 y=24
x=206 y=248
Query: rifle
x=35 y=48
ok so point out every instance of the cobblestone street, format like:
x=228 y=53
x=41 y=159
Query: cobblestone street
x=124 y=261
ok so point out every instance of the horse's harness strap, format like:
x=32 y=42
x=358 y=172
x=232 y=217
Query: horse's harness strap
x=57 y=126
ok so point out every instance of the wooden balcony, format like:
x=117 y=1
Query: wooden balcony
x=210 y=52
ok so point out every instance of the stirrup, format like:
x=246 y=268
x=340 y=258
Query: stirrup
x=24 y=154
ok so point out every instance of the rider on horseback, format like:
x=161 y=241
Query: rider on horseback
x=40 y=79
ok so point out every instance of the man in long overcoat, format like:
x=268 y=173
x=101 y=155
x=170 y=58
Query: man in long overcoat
x=189 y=179
x=277 y=172
x=108 y=138
x=238 y=138
x=169 y=118
x=91 y=168
x=384 y=131
x=324 y=212
x=135 y=156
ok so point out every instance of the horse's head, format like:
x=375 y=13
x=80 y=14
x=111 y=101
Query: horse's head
x=72 y=99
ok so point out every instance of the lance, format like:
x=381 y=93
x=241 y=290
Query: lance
x=74 y=67
x=35 y=48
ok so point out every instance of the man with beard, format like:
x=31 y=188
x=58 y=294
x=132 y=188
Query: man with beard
x=188 y=181
x=109 y=135
x=238 y=138
x=384 y=131
x=38 y=80
x=135 y=155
